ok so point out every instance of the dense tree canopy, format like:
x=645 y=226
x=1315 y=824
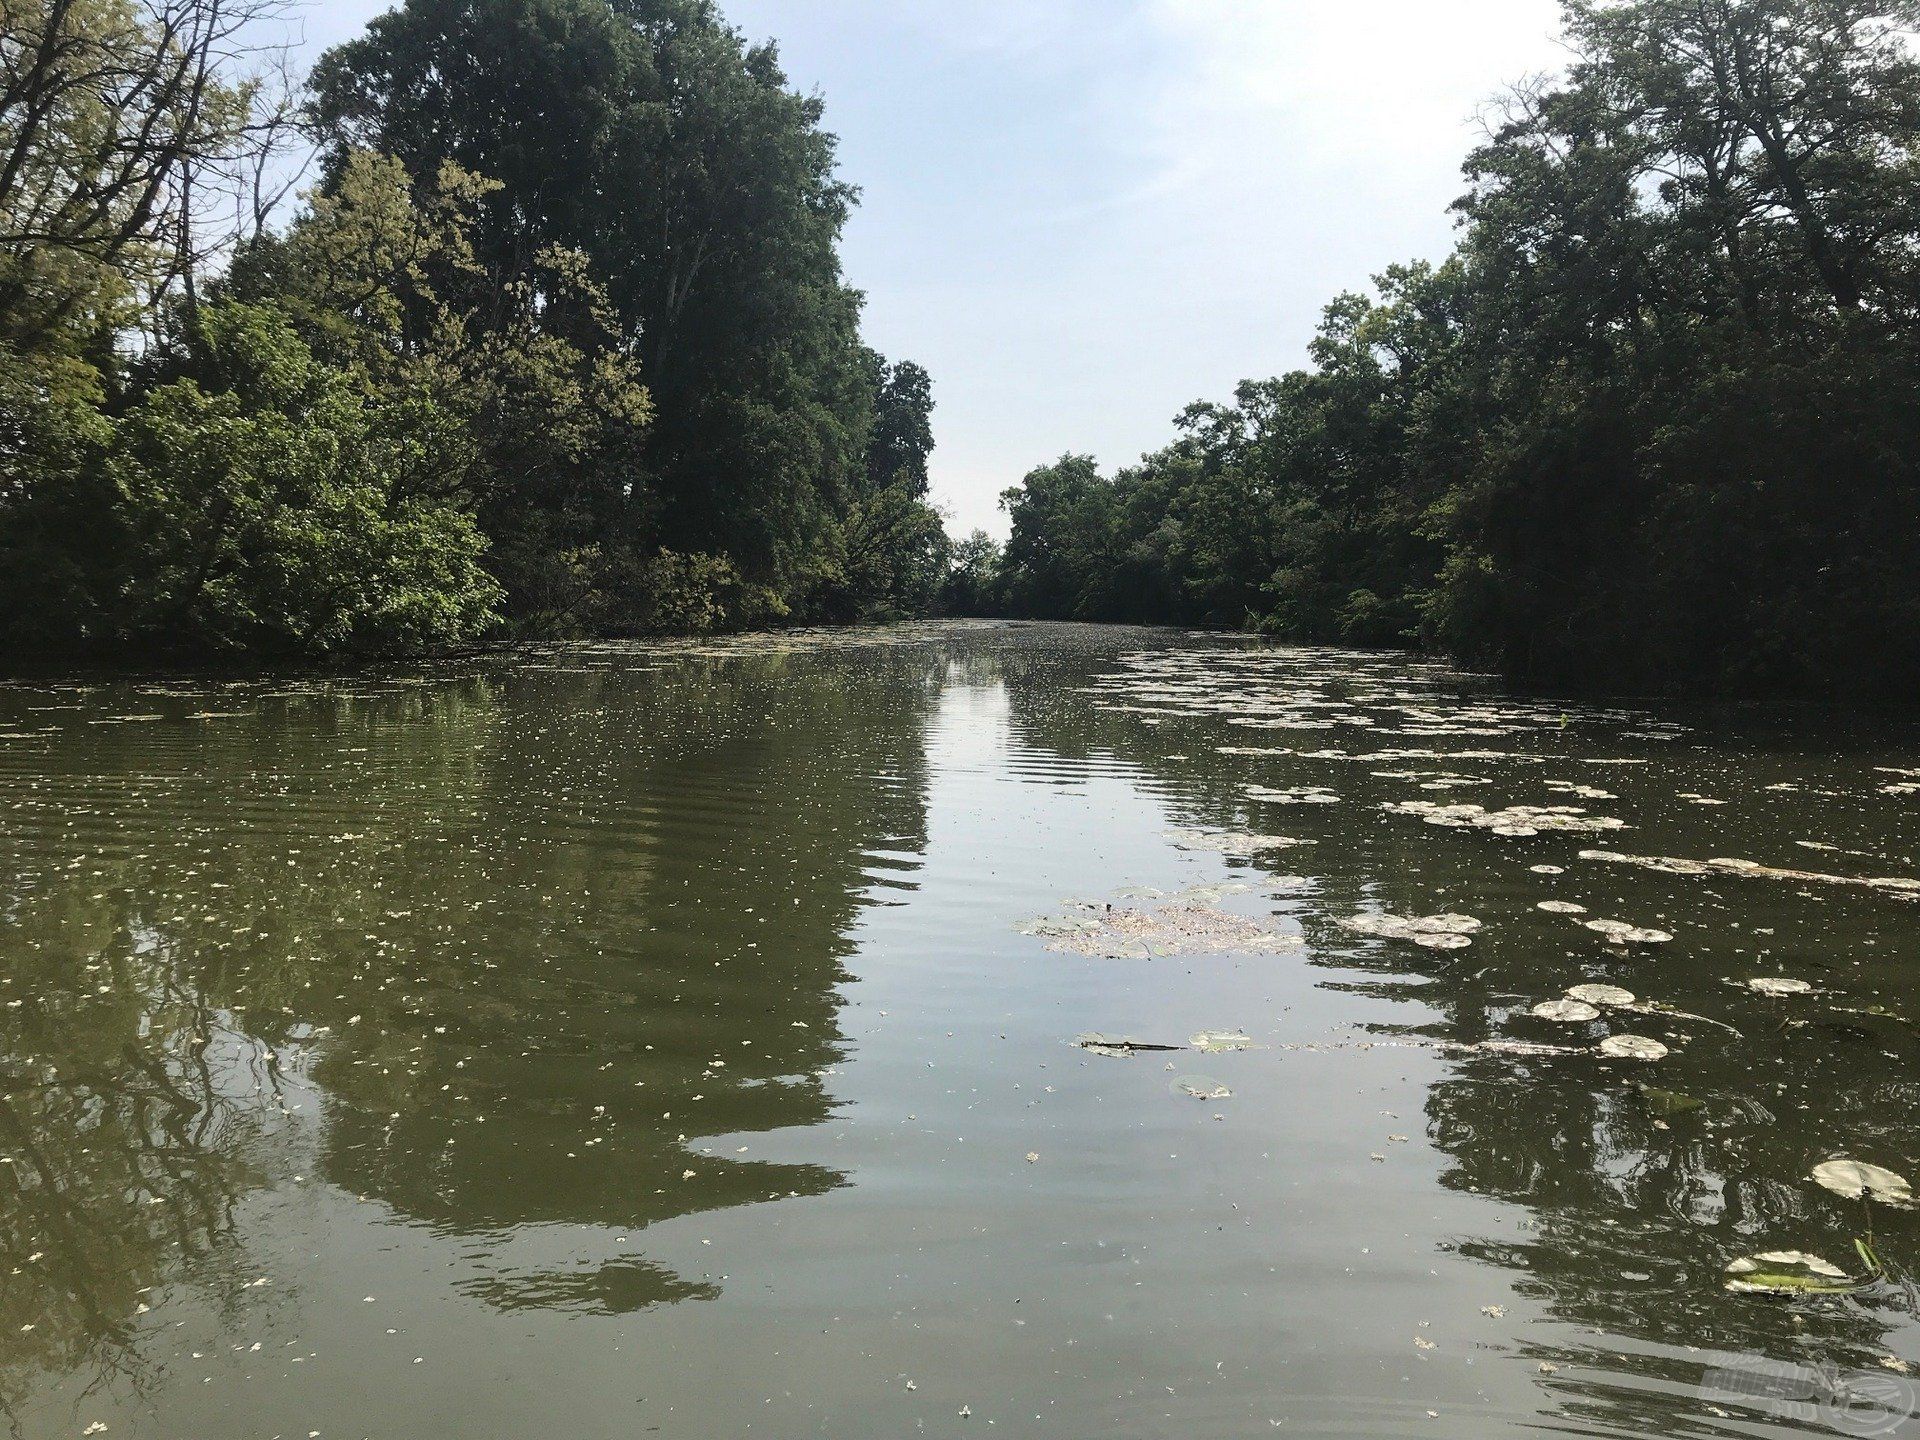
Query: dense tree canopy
x=558 y=344
x=1657 y=419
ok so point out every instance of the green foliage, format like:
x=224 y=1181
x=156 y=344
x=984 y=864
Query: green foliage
x=700 y=190
x=53 y=488
x=271 y=506
x=546 y=406
x=972 y=582
x=560 y=344
x=105 y=108
x=1654 y=422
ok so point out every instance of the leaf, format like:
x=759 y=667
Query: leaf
x=1857 y=1180
x=1565 y=1012
x=1633 y=1047
x=1787 y=1272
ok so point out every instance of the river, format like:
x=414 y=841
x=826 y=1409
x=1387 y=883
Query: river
x=685 y=1040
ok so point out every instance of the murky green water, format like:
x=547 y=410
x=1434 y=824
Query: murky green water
x=645 y=1041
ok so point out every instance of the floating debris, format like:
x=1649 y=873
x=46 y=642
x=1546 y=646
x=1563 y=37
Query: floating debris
x=1779 y=986
x=1618 y=932
x=1510 y=1047
x=1231 y=842
x=1857 y=1180
x=1633 y=1047
x=1122 y=1046
x=1200 y=1087
x=1306 y=795
x=1904 y=889
x=1566 y=1012
x=1221 y=1042
x=1561 y=907
x=1515 y=820
x=1436 y=932
x=1181 y=929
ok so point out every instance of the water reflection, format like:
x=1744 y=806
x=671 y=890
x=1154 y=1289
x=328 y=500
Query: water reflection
x=486 y=976
x=1635 y=1196
x=536 y=946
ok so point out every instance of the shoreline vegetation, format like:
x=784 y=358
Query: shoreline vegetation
x=1653 y=426
x=520 y=320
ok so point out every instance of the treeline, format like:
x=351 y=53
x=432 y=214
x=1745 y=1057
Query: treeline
x=1656 y=420
x=557 y=341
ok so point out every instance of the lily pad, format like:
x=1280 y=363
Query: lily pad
x=1435 y=932
x=1566 y=1012
x=1857 y=1180
x=1779 y=986
x=1787 y=1272
x=1618 y=932
x=1665 y=1104
x=1561 y=907
x=1633 y=1047
x=1200 y=1087
x=1607 y=997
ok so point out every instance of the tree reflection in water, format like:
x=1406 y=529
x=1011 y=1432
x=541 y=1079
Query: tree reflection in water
x=494 y=949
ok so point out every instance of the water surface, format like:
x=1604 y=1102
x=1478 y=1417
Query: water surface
x=622 y=1040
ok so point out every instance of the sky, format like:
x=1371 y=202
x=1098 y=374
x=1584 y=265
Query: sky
x=1082 y=215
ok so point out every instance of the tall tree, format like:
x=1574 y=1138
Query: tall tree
x=653 y=139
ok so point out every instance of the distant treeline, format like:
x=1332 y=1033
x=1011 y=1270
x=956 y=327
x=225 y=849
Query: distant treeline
x=1656 y=421
x=556 y=342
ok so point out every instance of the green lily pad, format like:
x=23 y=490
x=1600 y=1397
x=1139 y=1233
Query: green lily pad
x=1666 y=1104
x=1787 y=1272
x=1857 y=1180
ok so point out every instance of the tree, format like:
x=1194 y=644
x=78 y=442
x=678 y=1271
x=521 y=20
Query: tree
x=273 y=506
x=1651 y=424
x=972 y=584
x=109 y=112
x=384 y=274
x=702 y=192
x=902 y=437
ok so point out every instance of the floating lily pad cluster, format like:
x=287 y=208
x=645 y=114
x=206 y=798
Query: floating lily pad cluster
x=1184 y=928
x=1231 y=842
x=1435 y=932
x=1515 y=820
x=1901 y=887
x=1792 y=1273
x=1323 y=691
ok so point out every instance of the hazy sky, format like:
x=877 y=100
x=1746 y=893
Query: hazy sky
x=1080 y=215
